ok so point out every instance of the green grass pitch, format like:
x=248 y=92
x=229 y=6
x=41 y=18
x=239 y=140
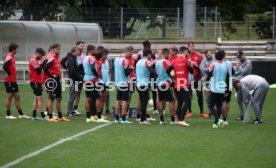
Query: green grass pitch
x=134 y=145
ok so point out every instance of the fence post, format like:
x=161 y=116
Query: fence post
x=205 y=20
x=4 y=13
x=183 y=29
x=177 y=34
x=63 y=14
x=122 y=19
x=1 y=52
x=216 y=21
x=220 y=27
x=248 y=27
x=273 y=22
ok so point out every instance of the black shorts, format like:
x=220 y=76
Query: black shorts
x=91 y=90
x=37 y=88
x=216 y=99
x=53 y=87
x=165 y=94
x=80 y=85
x=132 y=86
x=228 y=98
x=106 y=87
x=122 y=94
x=11 y=87
x=198 y=85
x=153 y=86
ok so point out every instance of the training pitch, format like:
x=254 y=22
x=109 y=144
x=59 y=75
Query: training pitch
x=27 y=143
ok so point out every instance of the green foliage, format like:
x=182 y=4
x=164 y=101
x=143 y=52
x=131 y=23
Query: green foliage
x=107 y=13
x=229 y=11
x=7 y=8
x=263 y=26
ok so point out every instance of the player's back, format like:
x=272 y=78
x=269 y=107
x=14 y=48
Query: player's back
x=181 y=69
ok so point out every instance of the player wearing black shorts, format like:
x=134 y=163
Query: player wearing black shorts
x=219 y=86
x=11 y=84
x=35 y=69
x=227 y=99
x=53 y=85
x=105 y=77
x=143 y=71
x=132 y=76
x=92 y=92
x=165 y=91
x=122 y=80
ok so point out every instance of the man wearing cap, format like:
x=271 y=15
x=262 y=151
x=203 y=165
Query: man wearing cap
x=256 y=85
x=243 y=68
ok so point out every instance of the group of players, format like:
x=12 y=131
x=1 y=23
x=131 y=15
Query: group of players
x=171 y=75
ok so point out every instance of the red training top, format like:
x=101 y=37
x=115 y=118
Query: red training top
x=180 y=66
x=172 y=58
x=196 y=58
x=34 y=76
x=55 y=68
x=11 y=69
x=131 y=63
x=44 y=75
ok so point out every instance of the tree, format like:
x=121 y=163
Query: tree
x=7 y=8
x=263 y=23
x=229 y=11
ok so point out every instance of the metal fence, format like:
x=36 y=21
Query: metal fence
x=155 y=23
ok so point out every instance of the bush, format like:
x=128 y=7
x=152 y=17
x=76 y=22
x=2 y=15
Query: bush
x=263 y=26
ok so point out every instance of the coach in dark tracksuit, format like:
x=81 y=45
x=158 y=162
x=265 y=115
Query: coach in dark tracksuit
x=75 y=76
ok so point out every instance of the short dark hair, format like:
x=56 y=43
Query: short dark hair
x=146 y=53
x=130 y=47
x=90 y=47
x=146 y=43
x=182 y=49
x=191 y=42
x=206 y=51
x=174 y=48
x=40 y=51
x=105 y=51
x=54 y=46
x=220 y=55
x=164 y=50
x=100 y=49
x=12 y=47
x=223 y=53
x=79 y=42
x=74 y=49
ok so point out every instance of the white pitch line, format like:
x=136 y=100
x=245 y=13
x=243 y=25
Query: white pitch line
x=32 y=154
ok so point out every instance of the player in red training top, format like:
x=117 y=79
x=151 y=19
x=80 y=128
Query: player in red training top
x=132 y=76
x=182 y=66
x=147 y=46
x=99 y=104
x=35 y=69
x=53 y=84
x=173 y=54
x=196 y=58
x=11 y=84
